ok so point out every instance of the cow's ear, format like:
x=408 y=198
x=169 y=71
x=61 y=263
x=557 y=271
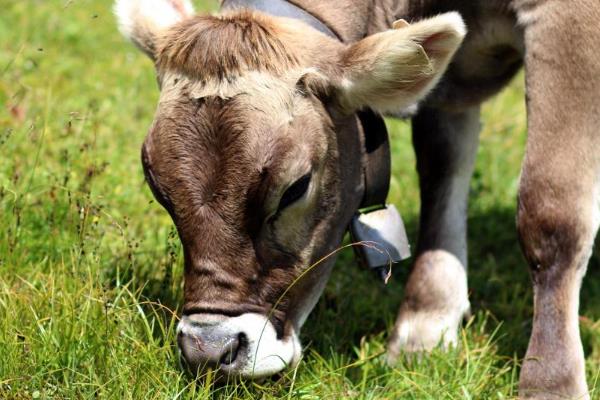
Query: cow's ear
x=142 y=21
x=391 y=70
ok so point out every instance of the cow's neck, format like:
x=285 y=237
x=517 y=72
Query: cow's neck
x=352 y=20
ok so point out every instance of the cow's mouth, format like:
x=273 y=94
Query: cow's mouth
x=245 y=346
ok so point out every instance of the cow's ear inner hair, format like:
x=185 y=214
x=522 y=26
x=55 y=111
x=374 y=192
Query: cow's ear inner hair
x=316 y=84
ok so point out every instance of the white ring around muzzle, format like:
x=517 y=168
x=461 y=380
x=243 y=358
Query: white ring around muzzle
x=263 y=354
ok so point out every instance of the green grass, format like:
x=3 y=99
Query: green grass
x=91 y=268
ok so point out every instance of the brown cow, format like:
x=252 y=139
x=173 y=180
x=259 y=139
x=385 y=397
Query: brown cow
x=255 y=151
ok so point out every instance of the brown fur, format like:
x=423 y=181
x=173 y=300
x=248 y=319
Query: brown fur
x=216 y=159
x=213 y=178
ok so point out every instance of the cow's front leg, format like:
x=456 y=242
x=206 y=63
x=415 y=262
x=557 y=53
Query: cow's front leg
x=557 y=219
x=559 y=199
x=435 y=298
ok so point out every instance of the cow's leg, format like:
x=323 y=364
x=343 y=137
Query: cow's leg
x=436 y=299
x=558 y=209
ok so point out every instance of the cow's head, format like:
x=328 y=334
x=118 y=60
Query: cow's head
x=255 y=153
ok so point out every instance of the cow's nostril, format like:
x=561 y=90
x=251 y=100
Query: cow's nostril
x=232 y=350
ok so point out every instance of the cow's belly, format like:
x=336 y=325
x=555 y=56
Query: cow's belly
x=490 y=56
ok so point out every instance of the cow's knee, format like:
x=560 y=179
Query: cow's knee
x=556 y=225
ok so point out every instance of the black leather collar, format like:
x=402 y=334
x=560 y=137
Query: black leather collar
x=378 y=164
x=377 y=169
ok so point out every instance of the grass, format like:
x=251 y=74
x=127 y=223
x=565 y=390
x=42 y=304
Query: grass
x=91 y=268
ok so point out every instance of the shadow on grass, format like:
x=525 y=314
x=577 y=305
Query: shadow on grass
x=356 y=304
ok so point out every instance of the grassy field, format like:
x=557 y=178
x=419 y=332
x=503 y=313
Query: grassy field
x=91 y=267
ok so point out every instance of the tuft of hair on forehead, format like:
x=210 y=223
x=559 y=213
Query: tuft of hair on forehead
x=205 y=47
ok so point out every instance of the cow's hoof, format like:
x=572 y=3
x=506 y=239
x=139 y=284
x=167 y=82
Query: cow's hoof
x=554 y=379
x=538 y=394
x=422 y=331
x=435 y=303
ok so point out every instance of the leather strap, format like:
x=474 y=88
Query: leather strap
x=377 y=167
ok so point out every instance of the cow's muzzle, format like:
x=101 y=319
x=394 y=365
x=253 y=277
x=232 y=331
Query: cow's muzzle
x=244 y=346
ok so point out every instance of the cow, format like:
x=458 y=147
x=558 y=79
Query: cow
x=255 y=152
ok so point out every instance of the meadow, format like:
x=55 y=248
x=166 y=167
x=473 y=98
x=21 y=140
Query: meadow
x=91 y=266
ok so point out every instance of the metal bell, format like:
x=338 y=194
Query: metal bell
x=382 y=239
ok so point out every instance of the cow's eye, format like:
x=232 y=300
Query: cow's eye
x=294 y=192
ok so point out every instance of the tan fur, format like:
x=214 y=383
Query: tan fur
x=399 y=64
x=202 y=47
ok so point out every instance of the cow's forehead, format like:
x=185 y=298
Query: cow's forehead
x=268 y=108
x=261 y=91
